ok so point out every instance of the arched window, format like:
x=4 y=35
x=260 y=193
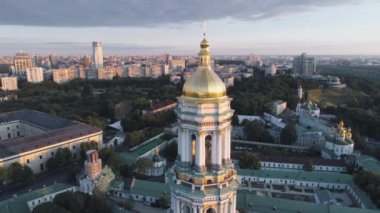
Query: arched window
x=186 y=209
x=208 y=148
x=193 y=148
x=210 y=210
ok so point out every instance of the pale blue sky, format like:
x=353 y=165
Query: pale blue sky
x=347 y=27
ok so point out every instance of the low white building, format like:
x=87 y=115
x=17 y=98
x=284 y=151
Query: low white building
x=282 y=163
x=277 y=106
x=28 y=201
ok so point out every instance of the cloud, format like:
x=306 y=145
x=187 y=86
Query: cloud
x=147 y=13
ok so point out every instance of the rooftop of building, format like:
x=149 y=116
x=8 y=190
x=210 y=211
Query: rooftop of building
x=312 y=176
x=18 y=204
x=251 y=201
x=301 y=160
x=132 y=156
x=149 y=188
x=368 y=163
x=58 y=130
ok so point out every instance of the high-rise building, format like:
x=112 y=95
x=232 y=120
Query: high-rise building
x=22 y=61
x=97 y=54
x=53 y=59
x=304 y=65
x=34 y=74
x=203 y=178
x=86 y=61
x=61 y=76
x=9 y=83
x=134 y=70
x=271 y=70
x=38 y=60
x=254 y=60
x=177 y=64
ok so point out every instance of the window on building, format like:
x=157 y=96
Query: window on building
x=8 y=128
x=42 y=167
x=74 y=147
x=40 y=156
x=27 y=160
x=17 y=126
x=52 y=153
x=9 y=135
x=18 y=134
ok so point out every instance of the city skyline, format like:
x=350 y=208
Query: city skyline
x=341 y=27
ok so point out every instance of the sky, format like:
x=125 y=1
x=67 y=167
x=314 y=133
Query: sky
x=149 y=27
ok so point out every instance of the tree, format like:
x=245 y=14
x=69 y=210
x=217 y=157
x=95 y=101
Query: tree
x=88 y=90
x=126 y=171
x=111 y=158
x=3 y=173
x=255 y=131
x=63 y=156
x=163 y=202
x=288 y=134
x=248 y=160
x=377 y=153
x=171 y=152
x=143 y=164
x=128 y=204
x=134 y=138
x=85 y=146
x=48 y=208
x=359 y=142
x=52 y=164
x=19 y=174
x=308 y=165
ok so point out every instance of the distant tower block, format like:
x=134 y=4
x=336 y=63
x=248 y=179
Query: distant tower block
x=97 y=54
x=93 y=165
x=300 y=92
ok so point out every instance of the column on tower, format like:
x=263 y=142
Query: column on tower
x=200 y=152
x=233 y=208
x=217 y=150
x=228 y=144
x=225 y=146
x=180 y=142
x=186 y=140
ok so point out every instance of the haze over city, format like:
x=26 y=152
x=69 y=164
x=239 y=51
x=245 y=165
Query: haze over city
x=189 y=106
x=339 y=27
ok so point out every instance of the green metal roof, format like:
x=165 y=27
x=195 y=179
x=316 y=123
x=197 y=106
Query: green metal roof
x=18 y=204
x=149 y=188
x=131 y=156
x=252 y=202
x=369 y=163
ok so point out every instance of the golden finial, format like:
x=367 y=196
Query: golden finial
x=341 y=124
x=156 y=151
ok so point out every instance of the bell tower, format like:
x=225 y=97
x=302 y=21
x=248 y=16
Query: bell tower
x=203 y=179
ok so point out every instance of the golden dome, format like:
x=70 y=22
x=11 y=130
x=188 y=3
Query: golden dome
x=204 y=83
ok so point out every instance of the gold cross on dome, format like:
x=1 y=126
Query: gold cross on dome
x=204 y=28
